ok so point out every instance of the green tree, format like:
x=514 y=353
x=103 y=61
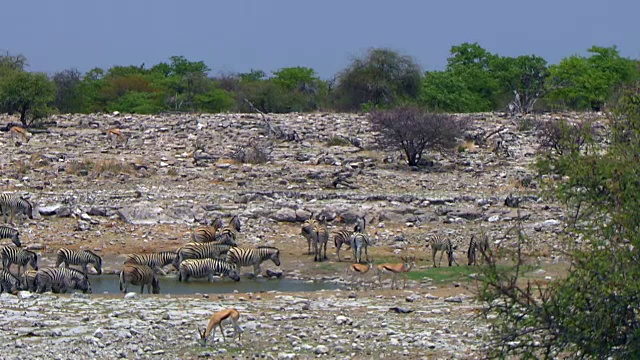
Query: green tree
x=214 y=101
x=525 y=76
x=589 y=82
x=381 y=78
x=593 y=312
x=29 y=94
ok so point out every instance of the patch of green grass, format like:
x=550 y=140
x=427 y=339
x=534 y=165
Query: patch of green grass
x=338 y=141
x=461 y=273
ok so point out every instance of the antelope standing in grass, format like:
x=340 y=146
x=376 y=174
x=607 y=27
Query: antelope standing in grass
x=219 y=318
x=396 y=269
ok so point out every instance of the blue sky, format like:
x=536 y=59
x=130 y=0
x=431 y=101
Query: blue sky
x=239 y=35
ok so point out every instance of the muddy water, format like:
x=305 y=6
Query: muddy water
x=171 y=285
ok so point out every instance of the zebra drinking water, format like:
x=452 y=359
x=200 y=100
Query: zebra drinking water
x=139 y=275
x=199 y=268
x=241 y=256
x=61 y=280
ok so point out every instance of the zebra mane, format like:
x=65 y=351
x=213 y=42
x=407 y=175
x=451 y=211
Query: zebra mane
x=267 y=247
x=92 y=253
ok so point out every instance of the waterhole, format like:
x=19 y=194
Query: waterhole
x=170 y=285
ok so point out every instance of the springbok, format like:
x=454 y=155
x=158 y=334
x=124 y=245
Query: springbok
x=116 y=136
x=395 y=270
x=358 y=271
x=17 y=133
x=220 y=318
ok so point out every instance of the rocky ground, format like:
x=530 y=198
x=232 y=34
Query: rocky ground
x=177 y=171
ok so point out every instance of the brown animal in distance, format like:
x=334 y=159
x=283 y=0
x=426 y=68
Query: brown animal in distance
x=17 y=133
x=219 y=318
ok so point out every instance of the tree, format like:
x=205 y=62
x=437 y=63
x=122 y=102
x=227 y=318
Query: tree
x=524 y=76
x=28 y=94
x=593 y=312
x=412 y=130
x=382 y=78
x=69 y=98
x=589 y=82
x=9 y=63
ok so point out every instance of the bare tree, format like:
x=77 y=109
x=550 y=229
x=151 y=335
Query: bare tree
x=412 y=130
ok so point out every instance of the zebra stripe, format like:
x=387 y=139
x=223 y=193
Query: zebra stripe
x=14 y=204
x=204 y=234
x=360 y=241
x=21 y=257
x=442 y=244
x=229 y=234
x=239 y=257
x=343 y=237
x=9 y=233
x=211 y=250
x=480 y=243
x=139 y=275
x=61 y=280
x=199 y=268
x=82 y=258
x=9 y=282
x=28 y=280
x=320 y=238
x=156 y=261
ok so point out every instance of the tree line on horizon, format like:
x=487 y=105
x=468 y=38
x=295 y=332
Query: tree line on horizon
x=474 y=80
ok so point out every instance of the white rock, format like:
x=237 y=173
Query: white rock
x=131 y=295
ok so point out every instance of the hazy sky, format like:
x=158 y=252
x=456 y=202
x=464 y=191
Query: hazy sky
x=239 y=35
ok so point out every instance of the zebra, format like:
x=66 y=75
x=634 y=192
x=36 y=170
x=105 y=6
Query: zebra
x=320 y=237
x=61 y=280
x=9 y=233
x=9 y=282
x=229 y=233
x=139 y=275
x=343 y=237
x=211 y=250
x=199 y=268
x=81 y=257
x=13 y=204
x=360 y=241
x=442 y=244
x=28 y=280
x=307 y=231
x=156 y=261
x=480 y=243
x=20 y=256
x=205 y=234
x=239 y=256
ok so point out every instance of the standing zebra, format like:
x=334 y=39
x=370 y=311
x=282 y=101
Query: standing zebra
x=360 y=241
x=14 y=204
x=238 y=257
x=344 y=236
x=82 y=258
x=480 y=243
x=307 y=231
x=9 y=282
x=205 y=234
x=199 y=268
x=156 y=261
x=212 y=250
x=61 y=280
x=229 y=233
x=320 y=237
x=20 y=256
x=9 y=233
x=442 y=244
x=139 y=275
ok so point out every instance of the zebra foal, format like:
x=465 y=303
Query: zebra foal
x=199 y=268
x=139 y=275
x=61 y=280
x=20 y=256
x=10 y=233
x=82 y=257
x=240 y=256
x=9 y=282
x=14 y=204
